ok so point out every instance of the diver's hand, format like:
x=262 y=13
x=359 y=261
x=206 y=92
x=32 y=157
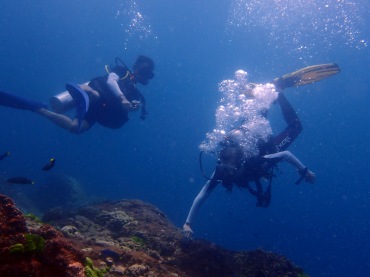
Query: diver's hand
x=125 y=103
x=188 y=232
x=135 y=105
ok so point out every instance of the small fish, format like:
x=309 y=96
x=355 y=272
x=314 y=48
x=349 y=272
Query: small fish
x=20 y=180
x=3 y=156
x=49 y=165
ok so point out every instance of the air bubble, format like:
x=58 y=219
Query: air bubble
x=243 y=113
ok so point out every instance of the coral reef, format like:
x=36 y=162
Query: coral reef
x=134 y=238
x=122 y=238
x=34 y=250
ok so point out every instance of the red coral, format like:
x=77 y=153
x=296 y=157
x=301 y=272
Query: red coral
x=58 y=257
x=11 y=219
x=60 y=252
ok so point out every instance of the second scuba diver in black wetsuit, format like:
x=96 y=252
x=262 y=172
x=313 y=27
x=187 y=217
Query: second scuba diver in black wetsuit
x=233 y=169
x=111 y=97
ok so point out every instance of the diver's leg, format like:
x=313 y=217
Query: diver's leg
x=289 y=114
x=294 y=128
x=64 y=121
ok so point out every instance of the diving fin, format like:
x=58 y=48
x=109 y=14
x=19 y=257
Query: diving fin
x=307 y=75
x=81 y=100
x=17 y=102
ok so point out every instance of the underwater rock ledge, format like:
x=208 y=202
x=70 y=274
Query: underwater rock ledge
x=120 y=238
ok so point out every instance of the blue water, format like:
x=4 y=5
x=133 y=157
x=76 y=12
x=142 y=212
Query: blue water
x=323 y=228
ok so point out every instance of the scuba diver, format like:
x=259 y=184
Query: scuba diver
x=106 y=100
x=234 y=168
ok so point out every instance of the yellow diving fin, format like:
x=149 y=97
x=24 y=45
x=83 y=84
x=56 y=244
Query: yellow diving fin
x=307 y=75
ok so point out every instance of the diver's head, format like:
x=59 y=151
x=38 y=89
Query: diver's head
x=230 y=158
x=143 y=70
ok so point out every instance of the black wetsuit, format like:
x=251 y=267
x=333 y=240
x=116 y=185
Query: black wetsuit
x=251 y=170
x=108 y=110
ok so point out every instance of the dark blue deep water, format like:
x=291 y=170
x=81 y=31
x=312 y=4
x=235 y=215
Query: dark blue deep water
x=323 y=228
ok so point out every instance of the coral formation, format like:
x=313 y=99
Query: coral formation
x=36 y=251
x=34 y=242
x=33 y=217
x=134 y=238
x=16 y=248
x=91 y=271
x=122 y=238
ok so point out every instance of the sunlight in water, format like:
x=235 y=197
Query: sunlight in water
x=302 y=23
x=242 y=106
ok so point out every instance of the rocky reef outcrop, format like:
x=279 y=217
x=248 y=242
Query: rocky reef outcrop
x=34 y=250
x=123 y=238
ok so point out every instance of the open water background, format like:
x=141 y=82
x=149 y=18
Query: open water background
x=323 y=228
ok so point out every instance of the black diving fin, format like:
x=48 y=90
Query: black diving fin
x=13 y=101
x=307 y=75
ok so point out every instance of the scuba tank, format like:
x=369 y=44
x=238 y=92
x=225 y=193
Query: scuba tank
x=63 y=101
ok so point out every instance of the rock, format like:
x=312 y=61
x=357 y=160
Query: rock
x=55 y=214
x=136 y=233
x=137 y=270
x=117 y=270
x=134 y=238
x=69 y=231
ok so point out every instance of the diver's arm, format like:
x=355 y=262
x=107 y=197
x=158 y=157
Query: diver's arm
x=90 y=91
x=287 y=156
x=114 y=87
x=198 y=201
